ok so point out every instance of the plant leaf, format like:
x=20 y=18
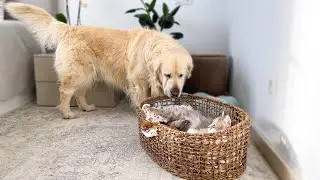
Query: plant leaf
x=174 y=11
x=133 y=10
x=161 y=21
x=177 y=23
x=61 y=17
x=177 y=35
x=166 y=22
x=165 y=9
x=144 y=21
x=155 y=17
x=141 y=15
x=151 y=6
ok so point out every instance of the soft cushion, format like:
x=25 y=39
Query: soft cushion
x=2 y=2
x=229 y=99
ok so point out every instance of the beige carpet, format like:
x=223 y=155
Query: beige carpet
x=36 y=144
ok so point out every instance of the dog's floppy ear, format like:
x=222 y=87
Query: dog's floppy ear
x=189 y=70
x=156 y=72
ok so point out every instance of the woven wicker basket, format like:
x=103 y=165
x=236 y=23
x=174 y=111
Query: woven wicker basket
x=221 y=155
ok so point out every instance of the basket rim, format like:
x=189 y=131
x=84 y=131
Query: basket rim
x=167 y=128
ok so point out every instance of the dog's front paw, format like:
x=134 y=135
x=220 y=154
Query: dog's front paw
x=89 y=108
x=69 y=115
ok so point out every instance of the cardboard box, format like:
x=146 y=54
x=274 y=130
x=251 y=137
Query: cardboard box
x=47 y=88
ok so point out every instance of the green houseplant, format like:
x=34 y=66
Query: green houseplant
x=66 y=19
x=61 y=17
x=150 y=17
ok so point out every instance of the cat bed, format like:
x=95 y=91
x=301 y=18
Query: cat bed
x=219 y=155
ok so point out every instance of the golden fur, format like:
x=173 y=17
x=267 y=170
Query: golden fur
x=140 y=62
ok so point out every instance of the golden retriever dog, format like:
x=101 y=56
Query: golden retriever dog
x=140 y=62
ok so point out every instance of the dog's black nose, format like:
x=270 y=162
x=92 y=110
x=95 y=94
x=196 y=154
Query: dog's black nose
x=175 y=92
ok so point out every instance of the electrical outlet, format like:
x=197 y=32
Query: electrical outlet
x=271 y=86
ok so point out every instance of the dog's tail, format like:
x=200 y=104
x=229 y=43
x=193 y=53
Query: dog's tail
x=46 y=29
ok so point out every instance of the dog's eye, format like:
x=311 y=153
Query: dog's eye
x=180 y=75
x=168 y=75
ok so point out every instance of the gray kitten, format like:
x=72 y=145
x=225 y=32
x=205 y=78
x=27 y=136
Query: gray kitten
x=184 y=117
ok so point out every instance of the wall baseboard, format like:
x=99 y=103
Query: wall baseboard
x=15 y=102
x=279 y=166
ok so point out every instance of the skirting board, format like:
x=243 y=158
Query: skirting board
x=283 y=171
x=15 y=102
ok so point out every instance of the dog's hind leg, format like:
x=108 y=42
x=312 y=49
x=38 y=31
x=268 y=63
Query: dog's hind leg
x=66 y=90
x=75 y=71
x=74 y=85
x=81 y=100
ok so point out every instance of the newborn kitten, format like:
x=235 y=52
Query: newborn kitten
x=181 y=125
x=184 y=117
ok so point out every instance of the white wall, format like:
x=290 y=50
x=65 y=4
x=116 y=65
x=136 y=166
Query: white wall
x=203 y=23
x=277 y=41
x=49 y=5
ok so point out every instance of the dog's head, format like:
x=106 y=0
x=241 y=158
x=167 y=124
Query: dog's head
x=173 y=69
